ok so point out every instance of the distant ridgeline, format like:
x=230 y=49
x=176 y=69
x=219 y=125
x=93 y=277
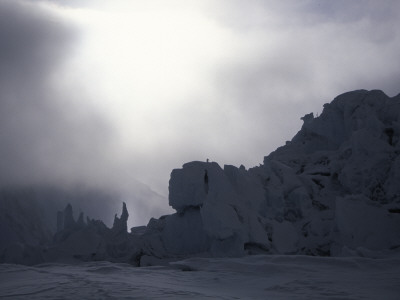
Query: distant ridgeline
x=334 y=190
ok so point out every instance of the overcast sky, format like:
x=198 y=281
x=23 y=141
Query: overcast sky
x=109 y=92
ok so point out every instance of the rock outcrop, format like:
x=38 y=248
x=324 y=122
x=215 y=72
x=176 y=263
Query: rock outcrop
x=92 y=240
x=332 y=190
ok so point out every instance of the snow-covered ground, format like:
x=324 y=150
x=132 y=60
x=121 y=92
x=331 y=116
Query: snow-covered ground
x=251 y=277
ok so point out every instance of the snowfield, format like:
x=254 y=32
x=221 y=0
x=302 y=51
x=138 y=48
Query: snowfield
x=250 y=277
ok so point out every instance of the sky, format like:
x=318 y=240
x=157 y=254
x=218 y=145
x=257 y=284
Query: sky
x=118 y=93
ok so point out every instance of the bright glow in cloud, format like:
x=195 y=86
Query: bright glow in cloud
x=148 y=69
x=149 y=72
x=145 y=64
x=182 y=80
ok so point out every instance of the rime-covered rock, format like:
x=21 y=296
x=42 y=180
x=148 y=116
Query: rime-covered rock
x=69 y=222
x=120 y=224
x=217 y=211
x=92 y=240
x=331 y=189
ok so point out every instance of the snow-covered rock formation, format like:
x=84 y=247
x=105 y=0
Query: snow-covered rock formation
x=217 y=211
x=332 y=190
x=92 y=240
x=28 y=217
x=347 y=160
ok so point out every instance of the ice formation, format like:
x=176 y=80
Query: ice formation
x=333 y=190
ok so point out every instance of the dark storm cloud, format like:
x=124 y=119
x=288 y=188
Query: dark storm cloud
x=30 y=45
x=44 y=137
x=350 y=11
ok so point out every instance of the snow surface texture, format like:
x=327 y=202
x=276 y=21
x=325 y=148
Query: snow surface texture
x=251 y=277
x=331 y=191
